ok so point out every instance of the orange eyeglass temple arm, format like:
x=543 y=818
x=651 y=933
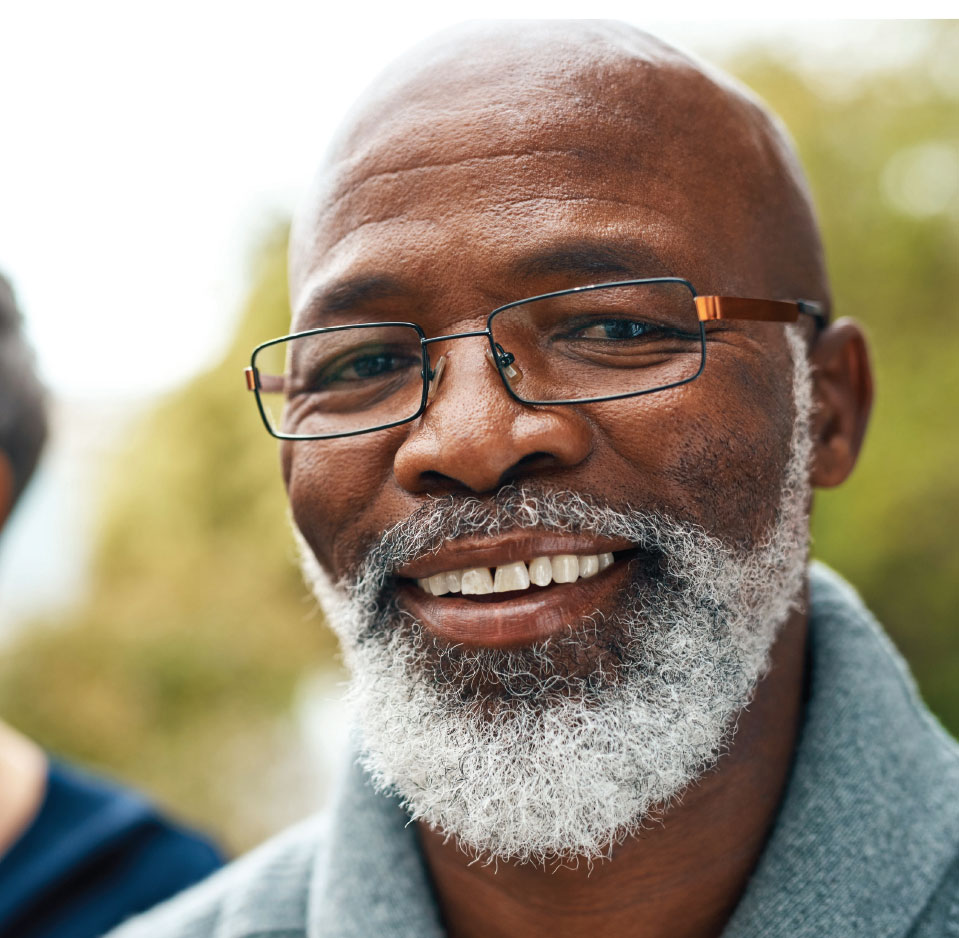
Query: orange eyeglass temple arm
x=737 y=307
x=269 y=383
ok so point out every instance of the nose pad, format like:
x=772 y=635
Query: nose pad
x=508 y=361
x=435 y=378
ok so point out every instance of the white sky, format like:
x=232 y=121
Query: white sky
x=144 y=147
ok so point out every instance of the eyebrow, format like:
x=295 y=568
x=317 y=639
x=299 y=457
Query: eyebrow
x=348 y=294
x=592 y=258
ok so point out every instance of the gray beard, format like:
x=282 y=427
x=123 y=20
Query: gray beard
x=559 y=751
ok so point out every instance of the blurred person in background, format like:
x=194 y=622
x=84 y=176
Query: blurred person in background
x=78 y=854
x=563 y=375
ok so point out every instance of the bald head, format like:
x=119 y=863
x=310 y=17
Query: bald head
x=565 y=111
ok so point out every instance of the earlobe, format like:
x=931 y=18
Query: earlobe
x=843 y=392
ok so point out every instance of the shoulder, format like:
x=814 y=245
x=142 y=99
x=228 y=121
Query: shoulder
x=94 y=808
x=95 y=854
x=940 y=918
x=847 y=640
x=89 y=822
x=263 y=895
x=884 y=767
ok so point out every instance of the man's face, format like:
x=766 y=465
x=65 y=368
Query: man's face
x=482 y=214
x=447 y=209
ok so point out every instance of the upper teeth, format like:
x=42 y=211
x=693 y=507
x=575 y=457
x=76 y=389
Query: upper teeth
x=478 y=581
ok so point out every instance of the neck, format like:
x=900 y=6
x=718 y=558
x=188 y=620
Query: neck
x=681 y=877
x=23 y=771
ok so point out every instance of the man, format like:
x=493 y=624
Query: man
x=564 y=541
x=77 y=854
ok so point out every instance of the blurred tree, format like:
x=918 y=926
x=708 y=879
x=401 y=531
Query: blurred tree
x=179 y=670
x=881 y=147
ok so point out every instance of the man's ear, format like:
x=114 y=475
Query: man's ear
x=7 y=487
x=842 y=392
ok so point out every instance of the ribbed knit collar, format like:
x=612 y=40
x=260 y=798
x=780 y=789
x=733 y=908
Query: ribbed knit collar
x=868 y=825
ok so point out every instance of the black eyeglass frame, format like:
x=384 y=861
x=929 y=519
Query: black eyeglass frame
x=708 y=308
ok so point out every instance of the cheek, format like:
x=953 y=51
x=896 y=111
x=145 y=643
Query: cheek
x=713 y=452
x=336 y=488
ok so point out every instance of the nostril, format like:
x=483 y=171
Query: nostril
x=438 y=483
x=539 y=460
x=531 y=458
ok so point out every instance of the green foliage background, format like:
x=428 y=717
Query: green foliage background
x=180 y=669
x=891 y=529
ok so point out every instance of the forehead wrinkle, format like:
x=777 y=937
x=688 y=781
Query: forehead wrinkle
x=501 y=208
x=502 y=180
x=566 y=200
x=499 y=185
x=407 y=129
x=346 y=188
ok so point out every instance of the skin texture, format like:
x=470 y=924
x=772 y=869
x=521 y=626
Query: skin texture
x=471 y=159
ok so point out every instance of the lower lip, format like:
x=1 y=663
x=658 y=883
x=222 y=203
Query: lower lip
x=531 y=616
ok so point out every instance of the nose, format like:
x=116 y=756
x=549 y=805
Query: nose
x=475 y=437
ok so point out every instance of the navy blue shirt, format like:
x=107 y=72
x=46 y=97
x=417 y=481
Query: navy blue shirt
x=94 y=855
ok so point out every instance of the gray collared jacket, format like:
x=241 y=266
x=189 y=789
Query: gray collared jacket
x=866 y=842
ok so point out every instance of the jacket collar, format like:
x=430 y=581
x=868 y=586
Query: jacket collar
x=372 y=879
x=868 y=825
x=870 y=819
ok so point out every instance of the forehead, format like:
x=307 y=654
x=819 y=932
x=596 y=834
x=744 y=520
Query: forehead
x=496 y=210
x=470 y=172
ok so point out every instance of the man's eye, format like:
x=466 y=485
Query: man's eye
x=616 y=329
x=359 y=368
x=368 y=366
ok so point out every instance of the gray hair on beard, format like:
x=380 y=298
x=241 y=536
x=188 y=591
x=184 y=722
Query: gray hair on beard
x=557 y=752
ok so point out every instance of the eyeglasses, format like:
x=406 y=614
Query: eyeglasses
x=601 y=342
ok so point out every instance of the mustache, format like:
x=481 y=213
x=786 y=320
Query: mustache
x=520 y=507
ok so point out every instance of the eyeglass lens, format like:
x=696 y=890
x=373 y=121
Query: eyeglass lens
x=595 y=343
x=345 y=381
x=601 y=342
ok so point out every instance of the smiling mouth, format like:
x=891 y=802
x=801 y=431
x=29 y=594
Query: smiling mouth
x=515 y=579
x=518 y=602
